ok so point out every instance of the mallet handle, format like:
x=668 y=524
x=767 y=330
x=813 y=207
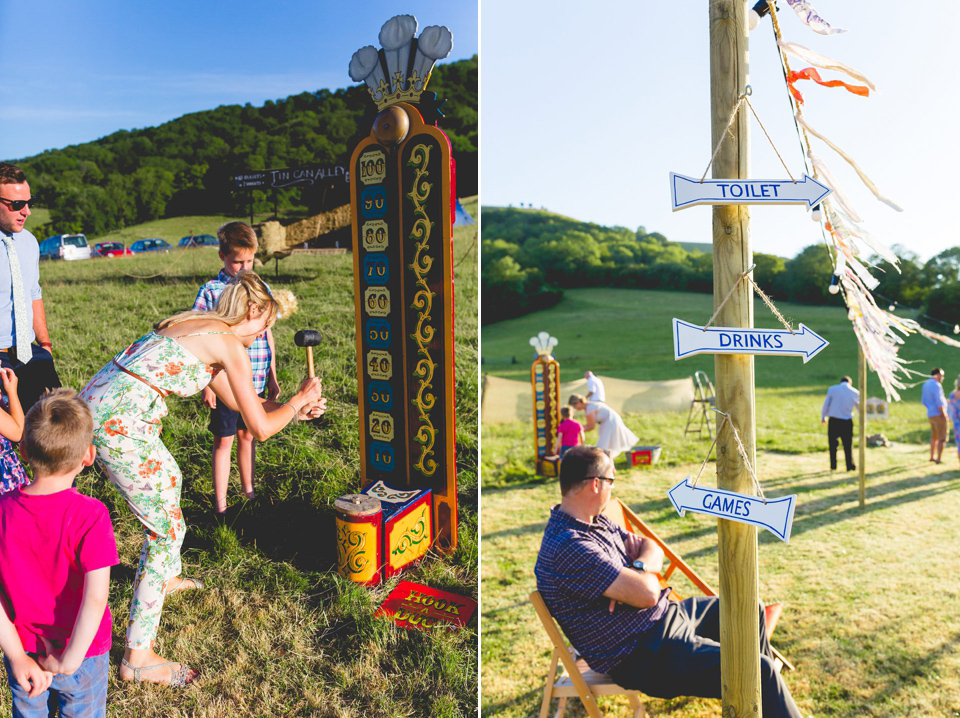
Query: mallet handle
x=310 y=372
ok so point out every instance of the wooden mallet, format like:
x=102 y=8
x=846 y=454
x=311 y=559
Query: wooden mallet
x=308 y=338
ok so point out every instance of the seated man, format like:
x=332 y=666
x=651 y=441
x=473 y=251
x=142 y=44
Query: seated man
x=600 y=584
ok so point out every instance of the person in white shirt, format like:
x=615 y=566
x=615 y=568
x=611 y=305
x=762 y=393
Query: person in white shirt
x=842 y=399
x=594 y=387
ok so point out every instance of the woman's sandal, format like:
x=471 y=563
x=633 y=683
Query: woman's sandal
x=183 y=676
x=197 y=584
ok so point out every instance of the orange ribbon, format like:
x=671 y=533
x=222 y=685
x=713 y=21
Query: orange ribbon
x=811 y=74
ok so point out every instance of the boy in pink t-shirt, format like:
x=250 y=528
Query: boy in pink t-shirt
x=569 y=432
x=56 y=551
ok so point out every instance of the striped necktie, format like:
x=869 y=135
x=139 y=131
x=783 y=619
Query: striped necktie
x=21 y=323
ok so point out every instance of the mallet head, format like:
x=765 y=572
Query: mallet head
x=308 y=338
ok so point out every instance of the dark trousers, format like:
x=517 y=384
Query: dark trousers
x=840 y=430
x=680 y=656
x=33 y=377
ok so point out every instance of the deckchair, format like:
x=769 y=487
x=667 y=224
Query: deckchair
x=574 y=677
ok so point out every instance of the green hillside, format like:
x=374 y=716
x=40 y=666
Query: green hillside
x=628 y=334
x=184 y=167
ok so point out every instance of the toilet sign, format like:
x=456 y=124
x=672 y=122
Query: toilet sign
x=687 y=191
x=775 y=515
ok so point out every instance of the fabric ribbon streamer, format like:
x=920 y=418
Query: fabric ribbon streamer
x=875 y=330
x=863 y=177
x=810 y=73
x=839 y=197
x=934 y=337
x=809 y=17
x=823 y=62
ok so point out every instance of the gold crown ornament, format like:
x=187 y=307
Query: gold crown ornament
x=400 y=70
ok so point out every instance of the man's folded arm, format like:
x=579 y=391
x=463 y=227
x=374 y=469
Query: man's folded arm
x=635 y=588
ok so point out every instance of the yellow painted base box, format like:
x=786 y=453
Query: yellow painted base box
x=407 y=527
x=548 y=466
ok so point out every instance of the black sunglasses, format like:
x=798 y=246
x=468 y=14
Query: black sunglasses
x=17 y=204
x=611 y=479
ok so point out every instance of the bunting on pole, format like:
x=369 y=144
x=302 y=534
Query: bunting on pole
x=811 y=73
x=809 y=17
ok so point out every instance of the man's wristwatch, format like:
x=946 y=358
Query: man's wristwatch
x=638 y=564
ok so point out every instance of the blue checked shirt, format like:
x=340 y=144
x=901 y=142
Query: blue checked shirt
x=576 y=564
x=259 y=351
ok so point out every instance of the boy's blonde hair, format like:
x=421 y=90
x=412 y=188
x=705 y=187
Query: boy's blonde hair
x=243 y=290
x=57 y=432
x=237 y=235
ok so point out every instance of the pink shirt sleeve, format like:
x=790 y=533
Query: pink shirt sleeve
x=98 y=546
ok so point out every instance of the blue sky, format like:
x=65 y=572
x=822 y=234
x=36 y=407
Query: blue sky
x=81 y=71
x=585 y=110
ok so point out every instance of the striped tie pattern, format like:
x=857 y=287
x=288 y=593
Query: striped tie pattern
x=21 y=324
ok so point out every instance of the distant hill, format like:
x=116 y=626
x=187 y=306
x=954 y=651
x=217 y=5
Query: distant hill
x=530 y=256
x=183 y=167
x=705 y=247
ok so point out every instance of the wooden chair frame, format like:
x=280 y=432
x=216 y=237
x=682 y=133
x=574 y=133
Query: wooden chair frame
x=575 y=678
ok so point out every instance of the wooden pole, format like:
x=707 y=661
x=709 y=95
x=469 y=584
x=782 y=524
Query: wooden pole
x=862 y=384
x=737 y=542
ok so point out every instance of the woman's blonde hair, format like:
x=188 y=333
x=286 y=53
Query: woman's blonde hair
x=576 y=399
x=243 y=290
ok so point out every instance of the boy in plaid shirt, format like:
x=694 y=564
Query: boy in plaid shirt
x=238 y=245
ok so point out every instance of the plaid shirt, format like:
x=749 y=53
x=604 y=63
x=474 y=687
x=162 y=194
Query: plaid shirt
x=576 y=564
x=259 y=351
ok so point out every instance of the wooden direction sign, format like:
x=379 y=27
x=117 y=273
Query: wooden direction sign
x=687 y=191
x=690 y=339
x=775 y=515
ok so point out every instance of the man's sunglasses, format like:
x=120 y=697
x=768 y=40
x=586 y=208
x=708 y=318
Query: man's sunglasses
x=17 y=204
x=611 y=479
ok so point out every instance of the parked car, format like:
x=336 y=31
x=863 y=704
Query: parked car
x=110 y=249
x=199 y=240
x=152 y=244
x=65 y=246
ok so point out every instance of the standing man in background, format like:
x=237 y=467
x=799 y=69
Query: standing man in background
x=23 y=320
x=935 y=402
x=842 y=399
x=594 y=387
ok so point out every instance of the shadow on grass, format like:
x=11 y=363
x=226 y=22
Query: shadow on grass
x=289 y=531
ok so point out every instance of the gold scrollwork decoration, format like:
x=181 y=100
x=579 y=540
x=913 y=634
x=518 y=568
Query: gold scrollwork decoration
x=421 y=231
x=416 y=534
x=351 y=550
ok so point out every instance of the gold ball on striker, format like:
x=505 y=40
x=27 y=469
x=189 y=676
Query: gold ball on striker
x=391 y=126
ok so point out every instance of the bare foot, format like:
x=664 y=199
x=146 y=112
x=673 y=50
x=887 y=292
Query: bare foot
x=143 y=665
x=220 y=504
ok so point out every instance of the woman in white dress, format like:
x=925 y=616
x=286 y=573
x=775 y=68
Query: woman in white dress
x=612 y=434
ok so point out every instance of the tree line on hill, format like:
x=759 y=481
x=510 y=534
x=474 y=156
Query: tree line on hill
x=528 y=257
x=185 y=166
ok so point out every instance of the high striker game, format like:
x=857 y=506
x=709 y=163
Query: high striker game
x=403 y=201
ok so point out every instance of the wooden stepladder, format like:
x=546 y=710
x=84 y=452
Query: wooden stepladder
x=704 y=399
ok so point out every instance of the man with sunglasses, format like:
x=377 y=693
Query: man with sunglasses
x=601 y=585
x=31 y=358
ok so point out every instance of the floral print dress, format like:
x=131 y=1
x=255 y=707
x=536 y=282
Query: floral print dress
x=127 y=399
x=953 y=411
x=12 y=473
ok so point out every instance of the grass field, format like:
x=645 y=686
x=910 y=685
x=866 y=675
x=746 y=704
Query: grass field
x=277 y=632
x=868 y=592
